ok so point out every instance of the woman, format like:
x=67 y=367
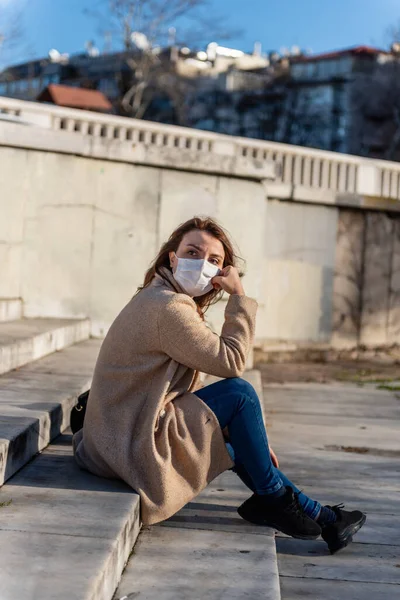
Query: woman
x=149 y=423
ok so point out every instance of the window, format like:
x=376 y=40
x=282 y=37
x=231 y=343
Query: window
x=3 y=89
x=341 y=99
x=311 y=69
x=345 y=65
x=298 y=71
x=319 y=68
x=108 y=86
x=334 y=68
x=342 y=123
x=47 y=80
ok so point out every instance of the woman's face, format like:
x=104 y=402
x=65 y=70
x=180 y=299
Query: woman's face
x=199 y=245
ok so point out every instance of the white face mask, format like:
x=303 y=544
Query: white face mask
x=194 y=276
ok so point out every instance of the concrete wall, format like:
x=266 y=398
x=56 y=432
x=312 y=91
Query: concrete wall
x=81 y=222
x=367 y=279
x=299 y=262
x=348 y=280
x=78 y=234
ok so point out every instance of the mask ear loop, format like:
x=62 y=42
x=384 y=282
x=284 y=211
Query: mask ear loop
x=176 y=259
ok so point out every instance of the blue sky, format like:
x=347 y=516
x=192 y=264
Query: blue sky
x=316 y=24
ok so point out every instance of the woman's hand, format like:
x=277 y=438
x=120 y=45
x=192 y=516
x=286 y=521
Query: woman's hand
x=229 y=281
x=274 y=458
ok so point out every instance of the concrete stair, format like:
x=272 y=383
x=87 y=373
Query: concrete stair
x=36 y=400
x=34 y=407
x=64 y=533
x=26 y=340
x=206 y=550
x=67 y=534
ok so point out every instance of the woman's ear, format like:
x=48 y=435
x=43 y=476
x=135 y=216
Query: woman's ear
x=172 y=260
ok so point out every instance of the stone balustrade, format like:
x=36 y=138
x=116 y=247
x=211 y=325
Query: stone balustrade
x=298 y=173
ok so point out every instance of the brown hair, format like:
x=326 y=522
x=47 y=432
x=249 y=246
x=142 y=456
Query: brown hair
x=202 y=224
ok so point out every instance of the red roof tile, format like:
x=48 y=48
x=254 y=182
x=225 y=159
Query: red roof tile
x=65 y=95
x=356 y=50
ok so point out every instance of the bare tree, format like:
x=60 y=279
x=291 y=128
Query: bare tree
x=144 y=28
x=375 y=104
x=306 y=120
x=11 y=33
x=393 y=34
x=375 y=110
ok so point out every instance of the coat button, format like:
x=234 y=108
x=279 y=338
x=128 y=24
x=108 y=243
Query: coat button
x=163 y=413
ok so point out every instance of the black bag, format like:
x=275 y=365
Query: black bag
x=78 y=412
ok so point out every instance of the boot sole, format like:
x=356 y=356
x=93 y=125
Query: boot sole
x=346 y=538
x=263 y=523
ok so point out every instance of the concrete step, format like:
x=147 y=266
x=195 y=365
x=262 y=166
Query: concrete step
x=69 y=534
x=64 y=533
x=10 y=309
x=206 y=550
x=26 y=340
x=36 y=400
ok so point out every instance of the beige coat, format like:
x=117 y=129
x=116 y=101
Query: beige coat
x=143 y=423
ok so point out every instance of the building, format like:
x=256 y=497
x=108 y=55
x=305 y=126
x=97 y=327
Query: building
x=318 y=109
x=294 y=98
x=105 y=73
x=214 y=71
x=236 y=93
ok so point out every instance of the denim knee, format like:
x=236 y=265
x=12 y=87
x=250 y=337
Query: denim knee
x=244 y=387
x=246 y=394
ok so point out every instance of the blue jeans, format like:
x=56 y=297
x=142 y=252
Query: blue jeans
x=237 y=408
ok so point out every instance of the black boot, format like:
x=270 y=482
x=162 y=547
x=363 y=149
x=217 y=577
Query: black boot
x=339 y=534
x=284 y=514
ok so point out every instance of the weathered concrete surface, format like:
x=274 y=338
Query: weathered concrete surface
x=206 y=550
x=28 y=340
x=297 y=589
x=377 y=279
x=299 y=262
x=10 y=309
x=120 y=214
x=122 y=195
x=36 y=401
x=348 y=280
x=310 y=426
x=394 y=299
x=366 y=296
x=66 y=533
x=177 y=564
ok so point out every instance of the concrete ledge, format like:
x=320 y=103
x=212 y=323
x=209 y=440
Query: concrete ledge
x=68 y=534
x=36 y=401
x=308 y=195
x=289 y=352
x=30 y=339
x=10 y=309
x=143 y=153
